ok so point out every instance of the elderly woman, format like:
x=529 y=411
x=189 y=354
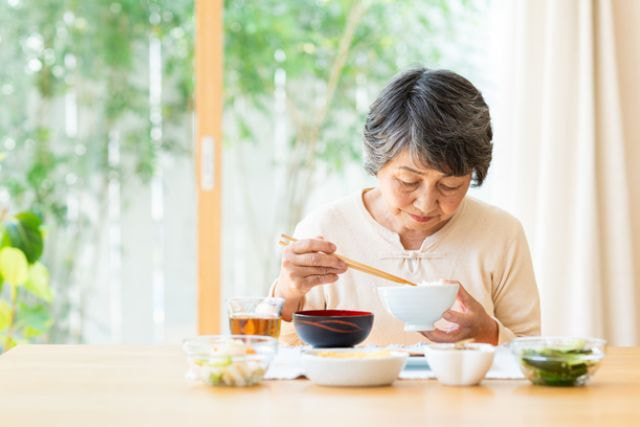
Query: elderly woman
x=427 y=139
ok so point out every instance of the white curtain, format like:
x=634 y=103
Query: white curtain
x=567 y=156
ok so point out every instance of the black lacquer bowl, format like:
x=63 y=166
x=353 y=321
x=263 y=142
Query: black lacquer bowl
x=333 y=328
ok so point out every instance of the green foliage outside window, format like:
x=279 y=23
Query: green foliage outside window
x=97 y=54
x=25 y=294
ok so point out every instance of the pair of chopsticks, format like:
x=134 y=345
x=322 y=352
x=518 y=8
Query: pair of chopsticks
x=286 y=239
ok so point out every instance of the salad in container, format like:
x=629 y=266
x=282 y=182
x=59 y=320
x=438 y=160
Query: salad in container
x=229 y=360
x=558 y=361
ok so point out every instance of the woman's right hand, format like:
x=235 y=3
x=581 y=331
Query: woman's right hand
x=306 y=263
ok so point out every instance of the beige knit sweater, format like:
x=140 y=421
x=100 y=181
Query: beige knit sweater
x=482 y=246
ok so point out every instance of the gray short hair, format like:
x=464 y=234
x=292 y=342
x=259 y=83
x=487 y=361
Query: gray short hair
x=439 y=116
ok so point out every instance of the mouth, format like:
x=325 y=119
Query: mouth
x=421 y=219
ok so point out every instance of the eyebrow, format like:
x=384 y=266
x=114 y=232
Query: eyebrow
x=417 y=172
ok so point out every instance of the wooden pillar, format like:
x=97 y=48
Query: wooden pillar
x=208 y=63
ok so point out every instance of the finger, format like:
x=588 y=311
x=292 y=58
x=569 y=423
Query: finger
x=457 y=317
x=463 y=297
x=311 y=281
x=315 y=271
x=313 y=245
x=437 y=336
x=447 y=337
x=319 y=259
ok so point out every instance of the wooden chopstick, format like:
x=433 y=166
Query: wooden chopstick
x=356 y=265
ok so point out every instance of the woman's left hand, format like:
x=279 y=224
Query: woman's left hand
x=473 y=322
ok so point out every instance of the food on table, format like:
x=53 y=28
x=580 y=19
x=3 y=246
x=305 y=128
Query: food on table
x=231 y=364
x=566 y=363
x=236 y=360
x=463 y=347
x=353 y=367
x=559 y=367
x=433 y=283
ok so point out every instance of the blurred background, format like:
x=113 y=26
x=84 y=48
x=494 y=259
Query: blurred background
x=97 y=138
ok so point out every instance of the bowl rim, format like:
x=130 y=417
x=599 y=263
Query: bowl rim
x=264 y=338
x=518 y=345
x=394 y=354
x=345 y=313
x=253 y=339
x=405 y=287
x=538 y=338
x=253 y=297
x=476 y=347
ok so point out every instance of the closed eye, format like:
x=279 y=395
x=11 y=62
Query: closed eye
x=447 y=188
x=408 y=183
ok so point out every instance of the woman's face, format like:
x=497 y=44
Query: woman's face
x=420 y=199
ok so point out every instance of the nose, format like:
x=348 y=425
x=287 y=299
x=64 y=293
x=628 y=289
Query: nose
x=427 y=201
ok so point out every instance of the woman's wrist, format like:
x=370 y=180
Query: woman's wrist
x=492 y=335
x=292 y=299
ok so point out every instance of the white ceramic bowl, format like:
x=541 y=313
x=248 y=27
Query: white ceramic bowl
x=418 y=306
x=460 y=367
x=347 y=371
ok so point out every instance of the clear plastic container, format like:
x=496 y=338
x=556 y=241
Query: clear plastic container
x=558 y=361
x=229 y=360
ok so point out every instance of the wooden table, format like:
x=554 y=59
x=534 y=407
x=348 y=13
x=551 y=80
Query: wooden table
x=68 y=386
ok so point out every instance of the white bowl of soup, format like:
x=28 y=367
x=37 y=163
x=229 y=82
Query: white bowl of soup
x=353 y=367
x=419 y=306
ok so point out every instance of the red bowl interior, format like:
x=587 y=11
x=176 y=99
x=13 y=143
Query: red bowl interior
x=328 y=313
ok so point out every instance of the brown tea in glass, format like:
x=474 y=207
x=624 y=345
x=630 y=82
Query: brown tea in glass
x=251 y=324
x=255 y=316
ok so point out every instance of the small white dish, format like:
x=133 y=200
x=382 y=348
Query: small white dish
x=353 y=367
x=460 y=367
x=418 y=306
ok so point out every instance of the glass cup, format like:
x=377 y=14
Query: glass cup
x=255 y=315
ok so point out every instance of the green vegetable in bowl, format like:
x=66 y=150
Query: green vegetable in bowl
x=560 y=366
x=232 y=363
x=231 y=372
x=223 y=360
